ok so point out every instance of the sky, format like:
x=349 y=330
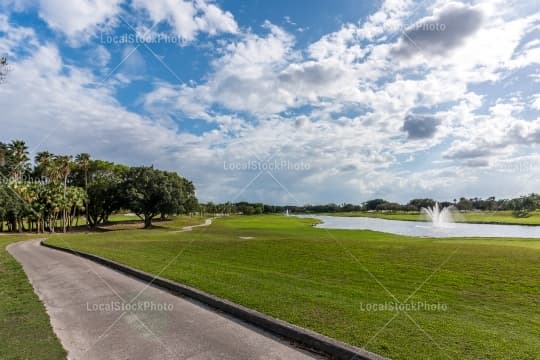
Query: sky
x=284 y=102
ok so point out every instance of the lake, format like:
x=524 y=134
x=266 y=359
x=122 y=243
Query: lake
x=425 y=229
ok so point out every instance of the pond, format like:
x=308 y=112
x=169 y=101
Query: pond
x=426 y=229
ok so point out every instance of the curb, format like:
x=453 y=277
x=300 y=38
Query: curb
x=304 y=338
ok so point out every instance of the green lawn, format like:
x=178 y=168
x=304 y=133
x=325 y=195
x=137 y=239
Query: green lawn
x=325 y=281
x=496 y=217
x=25 y=330
x=116 y=220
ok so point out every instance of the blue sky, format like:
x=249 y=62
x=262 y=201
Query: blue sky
x=285 y=102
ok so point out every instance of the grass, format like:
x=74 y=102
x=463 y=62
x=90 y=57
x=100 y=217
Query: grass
x=477 y=217
x=125 y=221
x=25 y=330
x=324 y=280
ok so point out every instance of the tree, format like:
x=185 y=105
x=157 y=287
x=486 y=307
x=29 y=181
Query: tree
x=3 y=157
x=95 y=186
x=11 y=207
x=62 y=168
x=83 y=163
x=525 y=204
x=18 y=160
x=105 y=194
x=144 y=192
x=43 y=162
x=418 y=204
x=373 y=204
x=4 y=69
x=150 y=192
x=464 y=204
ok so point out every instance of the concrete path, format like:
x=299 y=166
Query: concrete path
x=207 y=222
x=87 y=306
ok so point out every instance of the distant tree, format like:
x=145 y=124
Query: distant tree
x=245 y=208
x=444 y=204
x=464 y=204
x=389 y=206
x=4 y=69
x=373 y=204
x=418 y=204
x=259 y=208
x=521 y=207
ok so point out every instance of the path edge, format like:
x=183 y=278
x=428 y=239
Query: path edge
x=304 y=338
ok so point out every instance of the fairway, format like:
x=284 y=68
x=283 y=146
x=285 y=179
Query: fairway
x=474 y=299
x=25 y=330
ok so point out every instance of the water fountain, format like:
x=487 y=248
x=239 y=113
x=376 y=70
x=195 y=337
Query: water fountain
x=286 y=212
x=439 y=217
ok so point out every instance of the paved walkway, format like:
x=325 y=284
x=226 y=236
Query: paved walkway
x=87 y=306
x=207 y=222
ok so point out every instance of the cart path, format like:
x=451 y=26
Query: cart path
x=84 y=302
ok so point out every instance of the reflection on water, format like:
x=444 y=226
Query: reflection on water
x=415 y=228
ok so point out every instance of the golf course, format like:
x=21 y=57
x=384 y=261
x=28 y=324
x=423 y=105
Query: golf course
x=401 y=297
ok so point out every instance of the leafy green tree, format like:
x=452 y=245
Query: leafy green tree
x=105 y=194
x=150 y=192
x=418 y=204
x=374 y=204
x=464 y=204
x=521 y=207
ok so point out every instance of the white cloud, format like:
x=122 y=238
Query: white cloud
x=244 y=77
x=387 y=20
x=188 y=18
x=16 y=38
x=79 y=19
x=101 y=56
x=536 y=102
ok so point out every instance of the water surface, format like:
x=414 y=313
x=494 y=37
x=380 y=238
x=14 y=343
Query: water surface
x=420 y=228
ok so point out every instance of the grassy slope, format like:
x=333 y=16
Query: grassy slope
x=498 y=217
x=318 y=279
x=25 y=330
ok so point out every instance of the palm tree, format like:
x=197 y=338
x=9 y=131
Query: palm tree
x=83 y=162
x=18 y=152
x=3 y=154
x=63 y=166
x=43 y=162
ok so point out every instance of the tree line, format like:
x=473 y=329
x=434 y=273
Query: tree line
x=520 y=206
x=57 y=190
